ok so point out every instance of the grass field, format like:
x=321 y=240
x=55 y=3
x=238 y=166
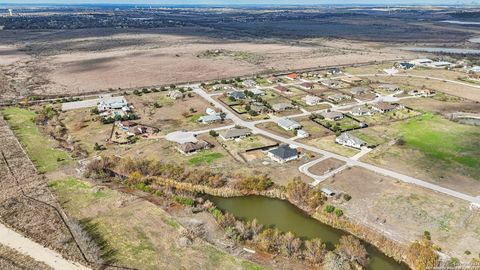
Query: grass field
x=40 y=148
x=205 y=157
x=139 y=234
x=444 y=142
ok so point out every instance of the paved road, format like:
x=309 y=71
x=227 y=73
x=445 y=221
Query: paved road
x=349 y=162
x=16 y=241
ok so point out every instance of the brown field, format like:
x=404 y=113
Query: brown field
x=404 y=211
x=79 y=61
x=326 y=166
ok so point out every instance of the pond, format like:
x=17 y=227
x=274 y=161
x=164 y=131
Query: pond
x=286 y=217
x=442 y=50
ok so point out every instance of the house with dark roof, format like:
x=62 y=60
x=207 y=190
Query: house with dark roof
x=307 y=85
x=359 y=90
x=235 y=133
x=259 y=108
x=283 y=153
x=237 y=95
x=347 y=139
x=281 y=88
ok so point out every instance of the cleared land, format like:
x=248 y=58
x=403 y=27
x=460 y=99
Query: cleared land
x=404 y=211
x=434 y=149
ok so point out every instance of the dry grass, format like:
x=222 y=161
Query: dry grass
x=11 y=259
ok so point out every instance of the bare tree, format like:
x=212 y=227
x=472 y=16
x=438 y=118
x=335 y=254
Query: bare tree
x=315 y=250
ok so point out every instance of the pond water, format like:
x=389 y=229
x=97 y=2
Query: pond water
x=442 y=50
x=286 y=217
x=461 y=22
x=469 y=121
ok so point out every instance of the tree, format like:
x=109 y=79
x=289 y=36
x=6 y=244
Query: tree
x=329 y=208
x=290 y=244
x=269 y=240
x=315 y=250
x=352 y=249
x=422 y=255
x=172 y=86
x=213 y=133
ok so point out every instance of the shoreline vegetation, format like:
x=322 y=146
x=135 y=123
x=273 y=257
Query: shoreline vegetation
x=156 y=178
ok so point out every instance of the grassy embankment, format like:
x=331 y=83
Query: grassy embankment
x=137 y=233
x=40 y=148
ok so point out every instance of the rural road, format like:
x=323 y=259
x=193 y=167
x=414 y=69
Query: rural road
x=349 y=162
x=16 y=241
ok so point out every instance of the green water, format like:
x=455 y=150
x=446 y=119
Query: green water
x=286 y=217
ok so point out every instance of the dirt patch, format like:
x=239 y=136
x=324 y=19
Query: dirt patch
x=326 y=166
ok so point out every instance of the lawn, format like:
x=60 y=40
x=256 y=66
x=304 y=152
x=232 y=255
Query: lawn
x=39 y=147
x=385 y=118
x=346 y=123
x=205 y=157
x=443 y=142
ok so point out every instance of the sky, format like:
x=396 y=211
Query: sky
x=248 y=2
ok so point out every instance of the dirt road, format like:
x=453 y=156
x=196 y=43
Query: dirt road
x=26 y=246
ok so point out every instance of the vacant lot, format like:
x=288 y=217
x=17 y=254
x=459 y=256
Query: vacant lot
x=138 y=233
x=388 y=117
x=42 y=150
x=405 y=211
x=435 y=149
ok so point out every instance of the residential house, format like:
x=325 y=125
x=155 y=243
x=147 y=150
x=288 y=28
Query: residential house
x=235 y=133
x=302 y=133
x=307 y=85
x=422 y=92
x=361 y=111
x=192 y=147
x=209 y=119
x=292 y=76
x=281 y=88
x=259 y=108
x=440 y=64
x=327 y=192
x=112 y=103
x=334 y=71
x=175 y=94
x=311 y=100
x=249 y=83
x=389 y=87
x=384 y=107
x=330 y=83
x=474 y=69
x=273 y=79
x=210 y=111
x=347 y=139
x=288 y=124
x=332 y=115
x=237 y=95
x=352 y=79
x=280 y=107
x=339 y=97
x=257 y=92
x=421 y=62
x=226 y=87
x=359 y=90
x=283 y=154
x=406 y=65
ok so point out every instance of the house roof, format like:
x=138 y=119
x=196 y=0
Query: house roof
x=391 y=87
x=236 y=132
x=281 y=106
x=359 y=90
x=332 y=114
x=475 y=69
x=292 y=75
x=113 y=100
x=281 y=88
x=287 y=122
x=360 y=110
x=210 y=118
x=307 y=84
x=237 y=94
x=257 y=91
x=344 y=137
x=284 y=152
x=384 y=106
x=311 y=98
x=338 y=97
x=191 y=147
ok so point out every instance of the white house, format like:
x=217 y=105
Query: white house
x=288 y=124
x=208 y=119
x=112 y=103
x=361 y=111
x=311 y=100
x=283 y=154
x=421 y=62
x=347 y=139
x=235 y=133
x=440 y=64
x=302 y=133
x=175 y=94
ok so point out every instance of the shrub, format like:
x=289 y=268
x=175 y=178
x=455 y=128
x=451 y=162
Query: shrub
x=183 y=200
x=338 y=212
x=329 y=208
x=213 y=133
x=258 y=183
x=347 y=197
